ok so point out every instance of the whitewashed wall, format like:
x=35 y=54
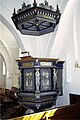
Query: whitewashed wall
x=9 y=49
x=63 y=43
x=67 y=46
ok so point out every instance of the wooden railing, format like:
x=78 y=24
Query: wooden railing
x=62 y=113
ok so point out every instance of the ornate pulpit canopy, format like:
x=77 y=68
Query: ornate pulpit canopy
x=36 y=20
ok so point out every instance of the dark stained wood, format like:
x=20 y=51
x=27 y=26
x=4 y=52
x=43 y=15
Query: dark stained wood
x=70 y=112
x=74 y=98
x=9 y=106
x=30 y=58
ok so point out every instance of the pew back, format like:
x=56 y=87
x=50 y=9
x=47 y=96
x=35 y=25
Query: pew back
x=62 y=113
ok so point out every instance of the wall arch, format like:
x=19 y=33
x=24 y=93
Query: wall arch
x=4 y=52
x=9 y=48
x=12 y=30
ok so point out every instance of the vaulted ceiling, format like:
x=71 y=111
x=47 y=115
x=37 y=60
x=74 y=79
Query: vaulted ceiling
x=42 y=46
x=38 y=46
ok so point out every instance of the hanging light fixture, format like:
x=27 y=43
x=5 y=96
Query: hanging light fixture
x=36 y=20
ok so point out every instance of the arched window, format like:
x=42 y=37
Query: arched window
x=2 y=72
x=4 y=68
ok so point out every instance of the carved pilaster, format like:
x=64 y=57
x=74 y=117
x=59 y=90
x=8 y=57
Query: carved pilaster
x=37 y=77
x=54 y=78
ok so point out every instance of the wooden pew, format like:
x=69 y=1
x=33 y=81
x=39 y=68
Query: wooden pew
x=9 y=106
x=67 y=112
x=62 y=113
x=74 y=98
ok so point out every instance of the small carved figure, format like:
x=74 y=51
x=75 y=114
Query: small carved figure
x=37 y=79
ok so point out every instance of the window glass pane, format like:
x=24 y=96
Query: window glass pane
x=4 y=68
